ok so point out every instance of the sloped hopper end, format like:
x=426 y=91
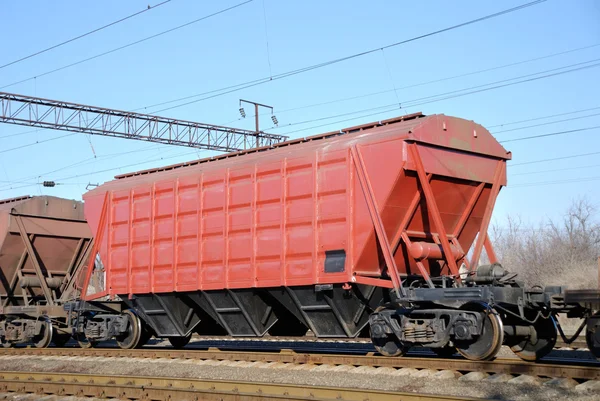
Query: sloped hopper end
x=43 y=242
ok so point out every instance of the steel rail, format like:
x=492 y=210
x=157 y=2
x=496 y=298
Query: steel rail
x=311 y=339
x=508 y=366
x=164 y=388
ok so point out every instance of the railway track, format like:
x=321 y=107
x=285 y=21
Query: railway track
x=578 y=370
x=349 y=343
x=366 y=342
x=161 y=388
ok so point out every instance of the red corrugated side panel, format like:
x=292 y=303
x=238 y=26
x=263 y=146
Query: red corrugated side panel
x=266 y=219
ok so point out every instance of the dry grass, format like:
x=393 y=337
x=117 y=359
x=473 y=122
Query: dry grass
x=561 y=252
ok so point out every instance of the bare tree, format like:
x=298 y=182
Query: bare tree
x=563 y=252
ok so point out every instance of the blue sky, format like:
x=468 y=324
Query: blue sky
x=231 y=48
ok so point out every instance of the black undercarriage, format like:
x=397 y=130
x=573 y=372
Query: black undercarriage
x=475 y=317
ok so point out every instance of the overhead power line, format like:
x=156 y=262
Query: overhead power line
x=25 y=180
x=449 y=95
x=566 y=181
x=281 y=111
x=129 y=45
x=362 y=116
x=105 y=170
x=506 y=82
x=234 y=88
x=547 y=123
x=81 y=163
x=148 y=8
x=554 y=159
x=35 y=143
x=555 y=170
x=537 y=118
x=572 y=131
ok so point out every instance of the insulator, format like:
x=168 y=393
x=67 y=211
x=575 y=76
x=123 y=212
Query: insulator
x=49 y=184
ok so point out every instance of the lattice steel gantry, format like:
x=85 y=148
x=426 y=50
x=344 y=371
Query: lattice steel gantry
x=53 y=114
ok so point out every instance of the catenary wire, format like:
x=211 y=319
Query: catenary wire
x=106 y=170
x=36 y=143
x=572 y=131
x=542 y=118
x=89 y=160
x=433 y=98
x=189 y=153
x=555 y=170
x=129 y=44
x=327 y=124
x=444 y=96
x=234 y=88
x=547 y=123
x=148 y=8
x=554 y=159
x=566 y=181
x=385 y=111
x=281 y=111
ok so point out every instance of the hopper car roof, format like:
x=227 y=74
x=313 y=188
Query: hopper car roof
x=44 y=206
x=438 y=130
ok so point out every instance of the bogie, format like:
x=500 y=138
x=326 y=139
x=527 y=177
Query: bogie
x=474 y=331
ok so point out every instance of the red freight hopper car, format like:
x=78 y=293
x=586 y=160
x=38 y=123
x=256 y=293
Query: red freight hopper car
x=367 y=228
x=43 y=242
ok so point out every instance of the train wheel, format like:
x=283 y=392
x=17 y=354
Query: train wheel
x=444 y=352
x=534 y=348
x=5 y=343
x=44 y=339
x=592 y=335
x=180 y=342
x=144 y=338
x=134 y=331
x=389 y=345
x=488 y=343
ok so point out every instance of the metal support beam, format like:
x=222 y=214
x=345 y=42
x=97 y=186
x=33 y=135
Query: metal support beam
x=487 y=215
x=34 y=260
x=94 y=250
x=53 y=114
x=469 y=209
x=256 y=118
x=10 y=291
x=69 y=285
x=489 y=249
x=433 y=209
x=386 y=249
x=420 y=265
x=414 y=204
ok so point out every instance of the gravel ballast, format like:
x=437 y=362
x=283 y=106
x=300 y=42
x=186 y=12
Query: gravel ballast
x=433 y=382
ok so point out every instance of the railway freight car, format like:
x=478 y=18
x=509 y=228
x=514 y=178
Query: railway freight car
x=43 y=243
x=374 y=230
